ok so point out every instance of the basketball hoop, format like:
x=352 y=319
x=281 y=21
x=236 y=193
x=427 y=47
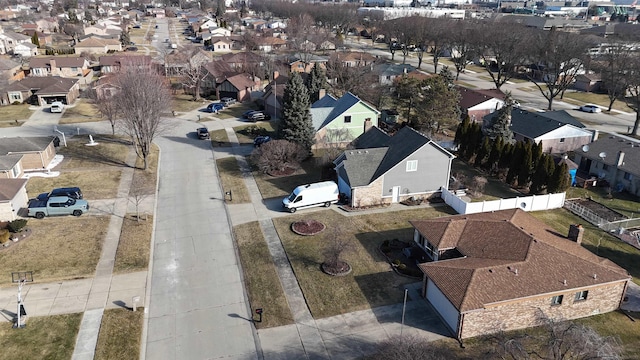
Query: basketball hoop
x=21 y=277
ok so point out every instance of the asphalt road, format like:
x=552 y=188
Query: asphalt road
x=197 y=306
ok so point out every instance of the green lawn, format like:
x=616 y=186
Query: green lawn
x=247 y=133
x=621 y=202
x=271 y=186
x=260 y=277
x=372 y=282
x=47 y=337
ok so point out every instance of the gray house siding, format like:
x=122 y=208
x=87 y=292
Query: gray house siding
x=433 y=171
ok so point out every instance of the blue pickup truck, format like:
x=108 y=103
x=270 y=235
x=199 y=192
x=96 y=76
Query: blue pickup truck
x=57 y=205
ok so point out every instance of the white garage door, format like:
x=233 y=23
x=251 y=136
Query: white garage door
x=444 y=307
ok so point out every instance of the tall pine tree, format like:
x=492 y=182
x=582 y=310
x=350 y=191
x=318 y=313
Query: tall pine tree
x=526 y=160
x=35 y=40
x=314 y=82
x=296 y=125
x=560 y=180
x=543 y=173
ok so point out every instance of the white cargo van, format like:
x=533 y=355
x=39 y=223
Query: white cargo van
x=305 y=196
x=56 y=107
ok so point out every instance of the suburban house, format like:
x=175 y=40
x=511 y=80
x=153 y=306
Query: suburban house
x=13 y=197
x=557 y=131
x=297 y=64
x=11 y=166
x=9 y=40
x=222 y=43
x=216 y=72
x=588 y=82
x=239 y=86
x=478 y=103
x=388 y=73
x=37 y=152
x=613 y=158
x=352 y=58
x=26 y=49
x=327 y=45
x=507 y=270
x=384 y=169
x=270 y=43
x=273 y=94
x=219 y=31
x=112 y=63
x=340 y=121
x=10 y=70
x=243 y=61
x=43 y=38
x=64 y=66
x=97 y=45
x=42 y=90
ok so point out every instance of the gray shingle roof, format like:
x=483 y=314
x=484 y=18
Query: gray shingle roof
x=534 y=124
x=611 y=145
x=24 y=144
x=393 y=69
x=375 y=154
x=7 y=162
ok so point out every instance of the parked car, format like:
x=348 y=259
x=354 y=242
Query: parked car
x=227 y=101
x=131 y=48
x=203 y=133
x=590 y=108
x=56 y=107
x=309 y=195
x=260 y=140
x=259 y=116
x=214 y=107
x=246 y=114
x=72 y=192
x=57 y=205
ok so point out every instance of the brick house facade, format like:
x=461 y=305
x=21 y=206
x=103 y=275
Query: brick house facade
x=506 y=270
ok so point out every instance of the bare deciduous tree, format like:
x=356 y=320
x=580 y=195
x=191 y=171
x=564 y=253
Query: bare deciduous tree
x=138 y=192
x=612 y=65
x=278 y=155
x=142 y=98
x=336 y=245
x=633 y=91
x=194 y=73
x=107 y=106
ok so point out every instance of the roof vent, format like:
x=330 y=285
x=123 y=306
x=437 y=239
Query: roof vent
x=516 y=272
x=490 y=270
x=595 y=276
x=564 y=282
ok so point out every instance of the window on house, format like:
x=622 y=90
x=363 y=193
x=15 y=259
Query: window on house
x=347 y=119
x=412 y=165
x=74 y=69
x=556 y=300
x=628 y=176
x=16 y=96
x=561 y=140
x=582 y=295
x=15 y=171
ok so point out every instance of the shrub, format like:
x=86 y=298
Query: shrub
x=17 y=225
x=16 y=103
x=402 y=267
x=278 y=155
x=396 y=262
x=4 y=236
x=254 y=130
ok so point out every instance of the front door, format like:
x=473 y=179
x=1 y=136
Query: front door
x=395 y=194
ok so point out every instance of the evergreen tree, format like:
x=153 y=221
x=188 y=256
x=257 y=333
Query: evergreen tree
x=124 y=38
x=296 y=125
x=494 y=154
x=483 y=151
x=447 y=75
x=314 y=82
x=498 y=124
x=560 y=180
x=473 y=140
x=505 y=156
x=34 y=39
x=536 y=154
x=220 y=9
x=462 y=130
x=515 y=163
x=525 y=168
x=541 y=176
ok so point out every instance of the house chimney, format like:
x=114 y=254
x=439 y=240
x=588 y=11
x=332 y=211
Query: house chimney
x=367 y=124
x=53 y=66
x=321 y=93
x=276 y=74
x=620 y=160
x=594 y=137
x=575 y=233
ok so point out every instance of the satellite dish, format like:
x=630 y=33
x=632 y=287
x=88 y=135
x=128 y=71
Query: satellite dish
x=585 y=148
x=603 y=154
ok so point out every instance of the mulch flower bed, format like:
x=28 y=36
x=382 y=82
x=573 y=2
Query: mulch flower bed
x=362 y=208
x=17 y=238
x=279 y=173
x=341 y=268
x=307 y=227
x=394 y=253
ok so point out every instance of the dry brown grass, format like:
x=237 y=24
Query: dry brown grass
x=48 y=337
x=133 y=247
x=120 y=333
x=231 y=180
x=271 y=186
x=260 y=276
x=94 y=184
x=372 y=282
x=59 y=248
x=184 y=103
x=219 y=138
x=150 y=175
x=82 y=111
x=11 y=113
x=110 y=151
x=580 y=98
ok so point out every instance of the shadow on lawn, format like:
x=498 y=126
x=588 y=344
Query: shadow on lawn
x=94 y=153
x=628 y=260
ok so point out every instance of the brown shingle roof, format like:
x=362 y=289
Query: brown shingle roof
x=43 y=84
x=241 y=81
x=509 y=255
x=470 y=98
x=61 y=61
x=111 y=60
x=10 y=187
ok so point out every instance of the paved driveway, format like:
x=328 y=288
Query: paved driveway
x=197 y=307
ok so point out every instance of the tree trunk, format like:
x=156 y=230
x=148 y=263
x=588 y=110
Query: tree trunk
x=145 y=162
x=435 y=65
x=550 y=101
x=610 y=104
